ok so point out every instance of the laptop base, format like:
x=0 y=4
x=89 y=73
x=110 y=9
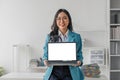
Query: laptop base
x=62 y=63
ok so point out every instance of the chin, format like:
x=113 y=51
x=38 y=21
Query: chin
x=63 y=28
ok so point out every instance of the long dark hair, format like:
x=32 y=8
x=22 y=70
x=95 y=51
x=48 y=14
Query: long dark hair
x=54 y=27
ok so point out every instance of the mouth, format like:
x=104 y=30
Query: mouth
x=62 y=25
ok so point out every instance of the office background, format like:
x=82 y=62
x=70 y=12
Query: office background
x=29 y=21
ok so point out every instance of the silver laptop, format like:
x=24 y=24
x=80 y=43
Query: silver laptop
x=62 y=53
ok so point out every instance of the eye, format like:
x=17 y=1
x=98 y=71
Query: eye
x=58 y=18
x=65 y=17
x=61 y=18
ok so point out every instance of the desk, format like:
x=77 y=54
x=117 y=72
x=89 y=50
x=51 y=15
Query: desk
x=35 y=76
x=101 y=78
x=23 y=76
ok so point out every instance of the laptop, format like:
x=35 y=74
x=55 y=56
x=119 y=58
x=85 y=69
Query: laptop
x=62 y=53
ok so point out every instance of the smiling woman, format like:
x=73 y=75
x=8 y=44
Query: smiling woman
x=62 y=27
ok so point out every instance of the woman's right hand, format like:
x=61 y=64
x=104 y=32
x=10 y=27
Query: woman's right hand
x=46 y=63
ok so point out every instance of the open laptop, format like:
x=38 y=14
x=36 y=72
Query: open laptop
x=62 y=53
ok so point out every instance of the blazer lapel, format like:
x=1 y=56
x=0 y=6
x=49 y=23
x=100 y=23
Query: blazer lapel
x=71 y=37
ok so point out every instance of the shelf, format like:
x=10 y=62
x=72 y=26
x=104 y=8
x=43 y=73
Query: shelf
x=115 y=16
x=114 y=70
x=114 y=25
x=114 y=75
x=115 y=55
x=115 y=63
x=114 y=40
x=115 y=9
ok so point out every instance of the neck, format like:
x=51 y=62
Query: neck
x=63 y=31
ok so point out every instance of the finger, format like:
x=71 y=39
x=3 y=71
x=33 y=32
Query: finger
x=78 y=63
x=46 y=63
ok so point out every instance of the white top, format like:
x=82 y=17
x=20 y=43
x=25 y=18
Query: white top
x=63 y=37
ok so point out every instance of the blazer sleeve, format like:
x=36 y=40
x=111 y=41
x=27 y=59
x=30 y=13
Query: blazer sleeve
x=79 y=49
x=45 y=48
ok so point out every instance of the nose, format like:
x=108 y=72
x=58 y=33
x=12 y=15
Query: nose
x=61 y=20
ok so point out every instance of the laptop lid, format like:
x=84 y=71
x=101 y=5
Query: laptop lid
x=62 y=51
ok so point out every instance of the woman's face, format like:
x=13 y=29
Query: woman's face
x=62 y=21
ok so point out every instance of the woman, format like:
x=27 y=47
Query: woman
x=62 y=27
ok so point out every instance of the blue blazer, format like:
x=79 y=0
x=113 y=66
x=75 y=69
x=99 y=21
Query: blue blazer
x=76 y=72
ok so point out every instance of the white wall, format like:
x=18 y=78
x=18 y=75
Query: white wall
x=29 y=21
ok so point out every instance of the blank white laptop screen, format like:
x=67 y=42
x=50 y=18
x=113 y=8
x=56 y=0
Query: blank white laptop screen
x=62 y=51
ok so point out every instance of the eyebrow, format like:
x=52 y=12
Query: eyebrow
x=60 y=16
